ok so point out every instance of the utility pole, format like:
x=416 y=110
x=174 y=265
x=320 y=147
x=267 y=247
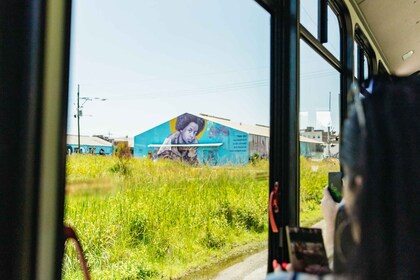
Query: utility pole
x=329 y=126
x=78 y=119
x=79 y=112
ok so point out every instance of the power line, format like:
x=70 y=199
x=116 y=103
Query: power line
x=202 y=91
x=179 y=76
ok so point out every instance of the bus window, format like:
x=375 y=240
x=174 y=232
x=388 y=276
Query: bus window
x=313 y=16
x=364 y=56
x=362 y=63
x=333 y=44
x=356 y=59
x=319 y=129
x=365 y=67
x=188 y=82
x=309 y=16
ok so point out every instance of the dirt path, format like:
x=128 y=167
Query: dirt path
x=253 y=267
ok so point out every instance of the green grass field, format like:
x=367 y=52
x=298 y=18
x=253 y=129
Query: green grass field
x=313 y=179
x=139 y=219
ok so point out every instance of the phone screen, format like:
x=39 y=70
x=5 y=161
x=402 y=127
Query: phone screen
x=306 y=250
x=335 y=185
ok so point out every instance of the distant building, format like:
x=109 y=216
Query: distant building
x=203 y=139
x=217 y=141
x=258 y=135
x=312 y=133
x=126 y=141
x=311 y=148
x=319 y=143
x=88 y=145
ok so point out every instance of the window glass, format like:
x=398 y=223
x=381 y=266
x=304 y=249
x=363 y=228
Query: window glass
x=366 y=59
x=365 y=67
x=173 y=105
x=319 y=127
x=333 y=44
x=309 y=16
x=355 y=59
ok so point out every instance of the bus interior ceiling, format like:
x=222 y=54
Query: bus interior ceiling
x=395 y=26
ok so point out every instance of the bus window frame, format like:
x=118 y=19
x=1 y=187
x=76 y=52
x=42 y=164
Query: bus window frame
x=381 y=69
x=364 y=50
x=284 y=148
x=34 y=74
x=26 y=189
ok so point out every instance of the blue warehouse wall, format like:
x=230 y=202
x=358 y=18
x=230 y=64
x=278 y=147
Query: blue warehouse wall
x=211 y=143
x=89 y=149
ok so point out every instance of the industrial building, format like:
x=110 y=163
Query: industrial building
x=215 y=141
x=88 y=145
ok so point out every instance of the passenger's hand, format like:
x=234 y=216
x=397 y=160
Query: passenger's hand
x=329 y=211
x=276 y=266
x=329 y=208
x=289 y=267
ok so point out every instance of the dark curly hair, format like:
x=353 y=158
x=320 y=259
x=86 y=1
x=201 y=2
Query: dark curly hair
x=183 y=120
x=352 y=146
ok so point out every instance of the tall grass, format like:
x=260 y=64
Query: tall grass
x=160 y=219
x=139 y=219
x=313 y=180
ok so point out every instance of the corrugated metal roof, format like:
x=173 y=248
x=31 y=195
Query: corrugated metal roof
x=259 y=130
x=87 y=140
x=309 y=140
x=256 y=129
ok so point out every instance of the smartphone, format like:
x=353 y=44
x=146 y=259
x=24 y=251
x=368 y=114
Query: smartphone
x=306 y=250
x=335 y=185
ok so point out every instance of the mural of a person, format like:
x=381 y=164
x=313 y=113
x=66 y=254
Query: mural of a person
x=187 y=128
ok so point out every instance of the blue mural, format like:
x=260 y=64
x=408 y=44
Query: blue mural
x=194 y=140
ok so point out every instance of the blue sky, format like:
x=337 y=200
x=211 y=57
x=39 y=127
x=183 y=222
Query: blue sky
x=154 y=60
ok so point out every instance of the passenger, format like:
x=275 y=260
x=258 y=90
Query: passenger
x=380 y=155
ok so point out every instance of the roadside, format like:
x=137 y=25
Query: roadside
x=253 y=267
x=228 y=262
